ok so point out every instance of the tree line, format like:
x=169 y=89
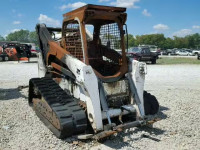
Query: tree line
x=189 y=41
x=24 y=36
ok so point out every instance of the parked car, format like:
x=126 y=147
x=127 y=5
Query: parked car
x=182 y=53
x=34 y=51
x=166 y=52
x=198 y=56
x=195 y=52
x=169 y=52
x=190 y=52
x=142 y=54
x=173 y=52
x=152 y=48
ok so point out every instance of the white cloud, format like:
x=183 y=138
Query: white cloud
x=11 y=31
x=160 y=27
x=19 y=15
x=72 y=6
x=196 y=27
x=49 y=21
x=63 y=7
x=146 y=13
x=182 y=32
x=125 y=3
x=16 y=22
x=14 y=30
x=104 y=1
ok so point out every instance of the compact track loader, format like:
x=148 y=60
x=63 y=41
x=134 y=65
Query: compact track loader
x=86 y=86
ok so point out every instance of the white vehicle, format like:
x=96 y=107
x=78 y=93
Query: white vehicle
x=195 y=52
x=182 y=53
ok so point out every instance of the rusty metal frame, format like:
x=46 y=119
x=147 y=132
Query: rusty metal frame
x=84 y=15
x=89 y=12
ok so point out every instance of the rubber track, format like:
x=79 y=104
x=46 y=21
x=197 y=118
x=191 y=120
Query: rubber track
x=71 y=116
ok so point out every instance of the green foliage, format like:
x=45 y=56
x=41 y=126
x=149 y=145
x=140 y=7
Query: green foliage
x=180 y=42
x=151 y=39
x=190 y=41
x=131 y=41
x=2 y=38
x=193 y=40
x=21 y=36
x=24 y=36
x=168 y=44
x=33 y=38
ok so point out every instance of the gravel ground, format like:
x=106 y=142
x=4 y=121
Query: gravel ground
x=176 y=87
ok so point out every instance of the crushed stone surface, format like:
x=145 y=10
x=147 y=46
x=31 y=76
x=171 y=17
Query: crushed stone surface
x=177 y=88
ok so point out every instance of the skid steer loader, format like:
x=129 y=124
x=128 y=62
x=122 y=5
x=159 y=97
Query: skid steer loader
x=14 y=51
x=86 y=86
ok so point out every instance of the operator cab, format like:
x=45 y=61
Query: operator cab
x=94 y=35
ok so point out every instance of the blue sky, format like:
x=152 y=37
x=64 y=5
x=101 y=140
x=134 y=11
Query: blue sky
x=171 y=17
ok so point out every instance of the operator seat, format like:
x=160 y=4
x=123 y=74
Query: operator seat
x=95 y=55
x=94 y=51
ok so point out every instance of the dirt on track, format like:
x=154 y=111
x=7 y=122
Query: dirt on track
x=177 y=87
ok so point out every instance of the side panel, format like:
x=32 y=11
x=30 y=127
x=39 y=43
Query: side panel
x=138 y=77
x=88 y=89
x=93 y=101
x=41 y=66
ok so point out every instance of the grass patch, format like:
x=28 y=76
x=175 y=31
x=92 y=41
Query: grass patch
x=1 y=97
x=177 y=60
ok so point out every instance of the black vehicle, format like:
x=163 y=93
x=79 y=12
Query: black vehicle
x=173 y=52
x=169 y=52
x=27 y=49
x=198 y=56
x=164 y=52
x=142 y=54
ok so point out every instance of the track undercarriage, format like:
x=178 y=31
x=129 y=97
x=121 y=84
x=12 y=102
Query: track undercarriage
x=60 y=112
x=65 y=115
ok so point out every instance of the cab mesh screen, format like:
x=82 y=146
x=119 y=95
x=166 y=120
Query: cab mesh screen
x=110 y=36
x=73 y=39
